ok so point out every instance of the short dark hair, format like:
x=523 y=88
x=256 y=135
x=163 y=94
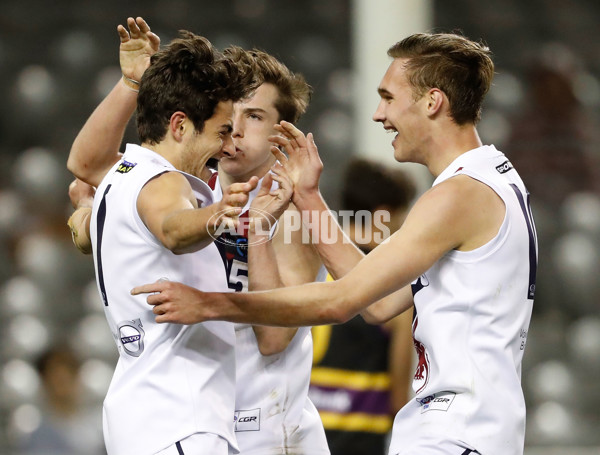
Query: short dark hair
x=368 y=185
x=191 y=76
x=461 y=68
x=293 y=90
x=60 y=353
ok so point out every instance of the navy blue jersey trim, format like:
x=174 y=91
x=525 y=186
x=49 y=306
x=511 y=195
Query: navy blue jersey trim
x=101 y=218
x=525 y=207
x=179 y=449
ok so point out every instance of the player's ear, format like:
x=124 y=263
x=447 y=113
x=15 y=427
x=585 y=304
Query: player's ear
x=435 y=100
x=179 y=124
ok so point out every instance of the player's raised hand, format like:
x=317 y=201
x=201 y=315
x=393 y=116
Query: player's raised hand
x=174 y=302
x=235 y=197
x=138 y=44
x=269 y=204
x=302 y=164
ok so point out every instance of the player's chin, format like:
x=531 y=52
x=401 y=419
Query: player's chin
x=231 y=166
x=400 y=154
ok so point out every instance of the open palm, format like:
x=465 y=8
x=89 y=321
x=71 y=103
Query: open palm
x=138 y=44
x=302 y=164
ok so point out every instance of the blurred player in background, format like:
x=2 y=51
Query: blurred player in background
x=465 y=257
x=67 y=426
x=361 y=372
x=273 y=412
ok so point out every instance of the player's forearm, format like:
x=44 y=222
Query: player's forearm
x=263 y=271
x=263 y=274
x=340 y=256
x=96 y=147
x=189 y=230
x=338 y=253
x=388 y=307
x=307 y=305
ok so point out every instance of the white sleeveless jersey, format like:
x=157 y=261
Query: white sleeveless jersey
x=472 y=312
x=274 y=415
x=171 y=380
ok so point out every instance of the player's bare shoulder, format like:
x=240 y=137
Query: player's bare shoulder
x=473 y=207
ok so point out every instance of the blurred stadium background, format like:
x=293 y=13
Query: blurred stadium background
x=58 y=59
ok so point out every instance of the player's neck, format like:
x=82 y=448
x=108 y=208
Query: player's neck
x=205 y=174
x=162 y=151
x=167 y=151
x=451 y=146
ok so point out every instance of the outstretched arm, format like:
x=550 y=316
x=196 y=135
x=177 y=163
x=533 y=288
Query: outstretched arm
x=309 y=304
x=444 y=218
x=96 y=147
x=447 y=217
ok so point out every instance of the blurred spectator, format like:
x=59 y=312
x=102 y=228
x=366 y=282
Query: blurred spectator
x=361 y=372
x=67 y=426
x=551 y=142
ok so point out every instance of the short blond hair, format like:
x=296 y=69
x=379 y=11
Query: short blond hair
x=461 y=68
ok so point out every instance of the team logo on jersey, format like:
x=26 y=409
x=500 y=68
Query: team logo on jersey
x=131 y=337
x=226 y=227
x=504 y=167
x=422 y=372
x=420 y=283
x=436 y=402
x=247 y=420
x=125 y=167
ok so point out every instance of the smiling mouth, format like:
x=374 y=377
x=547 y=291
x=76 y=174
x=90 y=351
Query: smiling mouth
x=393 y=131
